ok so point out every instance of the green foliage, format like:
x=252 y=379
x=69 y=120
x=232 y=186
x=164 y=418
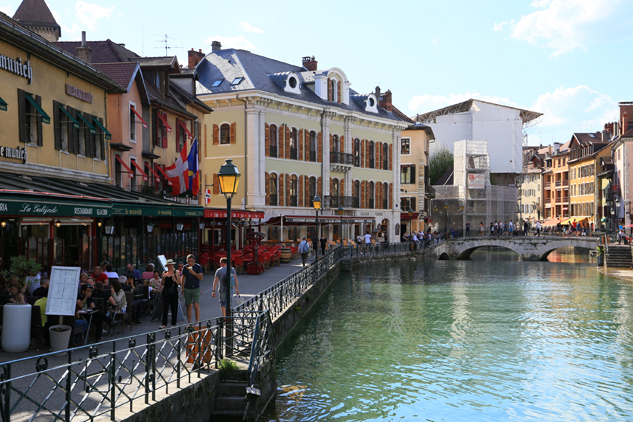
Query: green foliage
x=439 y=163
x=228 y=365
x=21 y=268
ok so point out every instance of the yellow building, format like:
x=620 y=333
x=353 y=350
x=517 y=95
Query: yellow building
x=585 y=153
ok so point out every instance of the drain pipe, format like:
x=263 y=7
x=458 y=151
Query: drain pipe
x=237 y=97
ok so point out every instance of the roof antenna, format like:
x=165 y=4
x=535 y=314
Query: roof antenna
x=166 y=42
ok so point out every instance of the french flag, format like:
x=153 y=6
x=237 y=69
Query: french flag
x=178 y=173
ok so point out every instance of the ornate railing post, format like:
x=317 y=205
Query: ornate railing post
x=5 y=393
x=150 y=366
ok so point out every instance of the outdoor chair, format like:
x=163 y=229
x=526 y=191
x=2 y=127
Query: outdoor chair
x=37 y=330
x=129 y=308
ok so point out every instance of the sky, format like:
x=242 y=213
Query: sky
x=564 y=58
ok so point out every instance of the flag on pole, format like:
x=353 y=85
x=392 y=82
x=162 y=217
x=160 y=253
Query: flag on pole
x=192 y=161
x=178 y=173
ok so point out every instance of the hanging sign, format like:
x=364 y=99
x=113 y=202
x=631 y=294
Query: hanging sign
x=207 y=196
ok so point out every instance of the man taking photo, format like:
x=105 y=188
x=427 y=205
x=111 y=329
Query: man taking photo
x=191 y=276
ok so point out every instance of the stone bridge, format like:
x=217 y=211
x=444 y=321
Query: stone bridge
x=529 y=248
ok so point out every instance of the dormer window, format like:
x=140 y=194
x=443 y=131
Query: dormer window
x=237 y=81
x=292 y=84
x=217 y=83
x=371 y=103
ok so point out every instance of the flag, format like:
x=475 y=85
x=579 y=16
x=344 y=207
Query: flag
x=178 y=173
x=192 y=161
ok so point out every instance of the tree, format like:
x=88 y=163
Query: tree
x=439 y=163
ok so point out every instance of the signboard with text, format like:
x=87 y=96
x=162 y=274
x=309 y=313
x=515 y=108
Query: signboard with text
x=47 y=208
x=62 y=291
x=476 y=181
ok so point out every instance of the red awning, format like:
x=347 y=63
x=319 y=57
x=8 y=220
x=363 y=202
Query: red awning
x=129 y=170
x=145 y=178
x=405 y=215
x=211 y=213
x=182 y=124
x=163 y=118
x=152 y=170
x=139 y=116
x=164 y=174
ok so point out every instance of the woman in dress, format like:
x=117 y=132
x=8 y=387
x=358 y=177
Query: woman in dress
x=170 y=283
x=118 y=294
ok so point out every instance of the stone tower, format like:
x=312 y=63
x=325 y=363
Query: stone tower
x=35 y=15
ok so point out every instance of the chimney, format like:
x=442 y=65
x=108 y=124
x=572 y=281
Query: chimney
x=195 y=57
x=625 y=122
x=606 y=136
x=216 y=46
x=310 y=64
x=84 y=52
x=385 y=101
x=378 y=93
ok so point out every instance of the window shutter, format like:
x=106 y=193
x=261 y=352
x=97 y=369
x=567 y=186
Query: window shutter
x=378 y=154
x=338 y=87
x=281 y=196
x=413 y=177
x=362 y=194
x=267 y=181
x=38 y=120
x=233 y=130
x=308 y=145
x=75 y=132
x=101 y=140
x=341 y=144
x=22 y=115
x=320 y=147
x=331 y=143
x=155 y=127
x=216 y=184
x=341 y=187
x=178 y=130
x=331 y=186
x=267 y=142
x=320 y=187
x=307 y=192
x=390 y=196
x=287 y=142
x=390 y=156
x=377 y=194
x=366 y=154
x=287 y=192
x=56 y=121
x=362 y=153
x=329 y=90
x=300 y=153
x=280 y=143
x=164 y=132
x=216 y=135
x=300 y=193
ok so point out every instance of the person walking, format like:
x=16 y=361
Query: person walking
x=304 y=250
x=220 y=274
x=468 y=229
x=190 y=280
x=538 y=228
x=481 y=228
x=323 y=242
x=170 y=294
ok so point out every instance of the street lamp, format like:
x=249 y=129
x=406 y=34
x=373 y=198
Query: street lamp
x=446 y=219
x=229 y=177
x=341 y=211
x=316 y=203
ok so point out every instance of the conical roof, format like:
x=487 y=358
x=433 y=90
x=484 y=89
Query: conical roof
x=35 y=13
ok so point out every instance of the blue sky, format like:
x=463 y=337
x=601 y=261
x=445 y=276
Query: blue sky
x=568 y=59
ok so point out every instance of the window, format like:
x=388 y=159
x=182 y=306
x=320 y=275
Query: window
x=312 y=188
x=313 y=146
x=132 y=125
x=385 y=196
x=335 y=143
x=181 y=136
x=217 y=83
x=371 y=193
x=133 y=175
x=406 y=204
x=292 y=81
x=293 y=191
x=407 y=174
x=273 y=189
x=31 y=117
x=385 y=156
x=294 y=136
x=160 y=137
x=118 y=173
x=335 y=187
x=225 y=134
x=405 y=146
x=371 y=155
x=237 y=81
x=64 y=125
x=357 y=152
x=272 y=136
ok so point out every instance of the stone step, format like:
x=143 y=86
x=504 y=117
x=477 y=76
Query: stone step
x=232 y=389
x=227 y=415
x=230 y=403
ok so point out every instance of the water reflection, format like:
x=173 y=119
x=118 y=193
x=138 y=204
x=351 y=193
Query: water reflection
x=457 y=340
x=568 y=255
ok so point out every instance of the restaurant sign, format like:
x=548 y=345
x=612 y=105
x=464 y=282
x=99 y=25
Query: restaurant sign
x=154 y=211
x=15 y=66
x=79 y=94
x=17 y=153
x=50 y=209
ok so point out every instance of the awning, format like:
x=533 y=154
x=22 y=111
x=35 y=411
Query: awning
x=566 y=222
x=70 y=116
x=145 y=178
x=164 y=174
x=551 y=223
x=213 y=213
x=124 y=165
x=139 y=116
x=163 y=118
x=309 y=220
x=87 y=123
x=189 y=135
x=151 y=170
x=154 y=210
x=3 y=105
x=53 y=205
x=405 y=216
x=108 y=135
x=45 y=118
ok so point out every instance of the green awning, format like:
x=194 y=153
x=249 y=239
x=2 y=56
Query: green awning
x=156 y=210
x=45 y=118
x=70 y=116
x=48 y=205
x=108 y=135
x=3 y=105
x=91 y=127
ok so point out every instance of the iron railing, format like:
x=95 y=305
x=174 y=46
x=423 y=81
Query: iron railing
x=344 y=201
x=341 y=158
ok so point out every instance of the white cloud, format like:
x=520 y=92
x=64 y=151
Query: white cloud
x=70 y=33
x=6 y=10
x=567 y=25
x=434 y=40
x=239 y=42
x=90 y=14
x=425 y=103
x=247 y=27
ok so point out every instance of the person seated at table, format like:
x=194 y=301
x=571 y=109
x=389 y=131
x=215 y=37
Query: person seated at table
x=149 y=272
x=99 y=275
x=16 y=296
x=109 y=273
x=42 y=291
x=41 y=302
x=90 y=281
x=156 y=282
x=33 y=282
x=85 y=303
x=101 y=293
x=117 y=292
x=136 y=274
x=137 y=291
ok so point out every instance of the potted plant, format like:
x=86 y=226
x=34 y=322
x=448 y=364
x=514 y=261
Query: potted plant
x=22 y=269
x=60 y=338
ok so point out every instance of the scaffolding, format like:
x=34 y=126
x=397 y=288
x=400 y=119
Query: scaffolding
x=472 y=198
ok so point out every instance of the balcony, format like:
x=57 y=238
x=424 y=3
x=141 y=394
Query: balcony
x=356 y=161
x=273 y=151
x=293 y=153
x=344 y=201
x=273 y=200
x=341 y=158
x=566 y=182
x=548 y=185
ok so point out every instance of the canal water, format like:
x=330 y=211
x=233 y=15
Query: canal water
x=492 y=339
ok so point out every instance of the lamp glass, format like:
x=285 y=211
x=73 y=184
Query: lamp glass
x=445 y=205
x=340 y=210
x=150 y=227
x=4 y=224
x=316 y=202
x=229 y=177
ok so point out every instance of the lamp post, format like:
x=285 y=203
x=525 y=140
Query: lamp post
x=446 y=219
x=341 y=210
x=229 y=180
x=316 y=203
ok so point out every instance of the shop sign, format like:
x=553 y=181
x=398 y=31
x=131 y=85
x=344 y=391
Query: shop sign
x=18 y=153
x=476 y=181
x=155 y=211
x=79 y=94
x=51 y=209
x=16 y=66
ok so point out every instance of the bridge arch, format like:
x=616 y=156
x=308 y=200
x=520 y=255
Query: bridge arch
x=465 y=255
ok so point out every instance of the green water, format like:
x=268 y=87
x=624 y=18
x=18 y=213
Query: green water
x=484 y=340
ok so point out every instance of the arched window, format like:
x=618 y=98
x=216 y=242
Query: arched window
x=225 y=134
x=371 y=195
x=293 y=191
x=356 y=194
x=313 y=146
x=294 y=141
x=312 y=188
x=371 y=155
x=335 y=144
x=335 y=187
x=385 y=156
x=273 y=189
x=272 y=135
x=357 y=152
x=385 y=195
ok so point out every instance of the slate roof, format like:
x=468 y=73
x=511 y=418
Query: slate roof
x=264 y=74
x=446 y=179
x=589 y=138
x=401 y=115
x=35 y=13
x=102 y=51
x=162 y=61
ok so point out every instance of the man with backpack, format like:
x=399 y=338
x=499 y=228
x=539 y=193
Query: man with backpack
x=304 y=249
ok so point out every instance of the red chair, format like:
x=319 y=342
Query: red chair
x=238 y=264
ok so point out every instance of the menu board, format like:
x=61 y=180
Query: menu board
x=162 y=261
x=63 y=290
